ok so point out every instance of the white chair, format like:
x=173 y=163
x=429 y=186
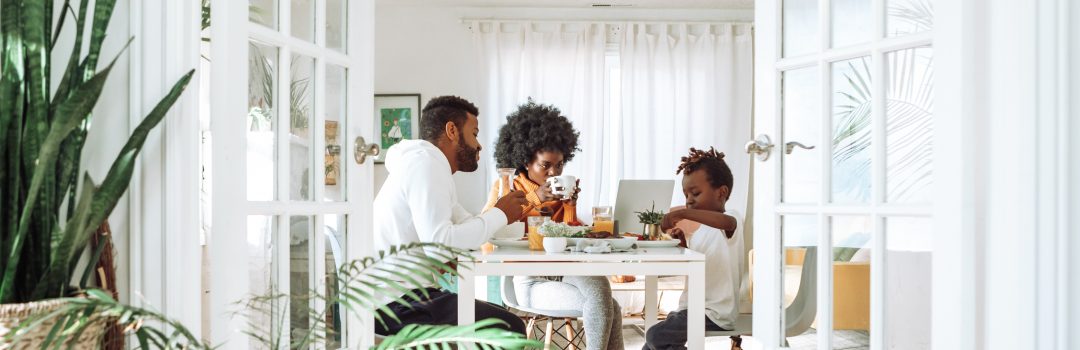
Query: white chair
x=798 y=316
x=575 y=338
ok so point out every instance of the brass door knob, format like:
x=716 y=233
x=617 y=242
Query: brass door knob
x=362 y=150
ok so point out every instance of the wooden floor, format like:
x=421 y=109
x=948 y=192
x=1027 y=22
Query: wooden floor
x=633 y=338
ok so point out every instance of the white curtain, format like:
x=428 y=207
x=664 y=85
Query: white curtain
x=684 y=85
x=561 y=64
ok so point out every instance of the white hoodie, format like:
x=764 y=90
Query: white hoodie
x=418 y=202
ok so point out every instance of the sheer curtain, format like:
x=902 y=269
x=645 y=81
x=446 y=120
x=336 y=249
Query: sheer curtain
x=561 y=64
x=684 y=85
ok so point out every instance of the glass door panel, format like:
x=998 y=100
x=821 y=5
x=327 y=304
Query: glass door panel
x=852 y=22
x=851 y=136
x=908 y=16
x=851 y=242
x=260 y=120
x=801 y=111
x=800 y=236
x=909 y=119
x=908 y=248
x=335 y=109
x=800 y=27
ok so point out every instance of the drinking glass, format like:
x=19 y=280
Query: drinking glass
x=506 y=181
x=536 y=240
x=602 y=219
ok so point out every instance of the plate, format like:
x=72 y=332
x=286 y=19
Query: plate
x=658 y=244
x=511 y=243
x=617 y=243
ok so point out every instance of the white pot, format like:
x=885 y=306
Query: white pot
x=554 y=244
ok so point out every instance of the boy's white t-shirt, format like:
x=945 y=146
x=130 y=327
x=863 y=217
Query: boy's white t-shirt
x=724 y=259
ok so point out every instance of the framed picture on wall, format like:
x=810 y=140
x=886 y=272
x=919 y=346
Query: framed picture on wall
x=397 y=118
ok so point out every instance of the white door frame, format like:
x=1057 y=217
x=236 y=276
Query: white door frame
x=231 y=31
x=164 y=248
x=1003 y=277
x=769 y=255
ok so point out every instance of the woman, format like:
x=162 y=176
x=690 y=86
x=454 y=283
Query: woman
x=538 y=141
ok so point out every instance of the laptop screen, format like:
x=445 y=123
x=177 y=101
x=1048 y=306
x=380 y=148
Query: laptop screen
x=639 y=195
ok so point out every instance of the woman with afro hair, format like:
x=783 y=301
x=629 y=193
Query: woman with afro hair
x=538 y=141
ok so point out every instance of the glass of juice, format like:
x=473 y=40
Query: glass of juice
x=536 y=240
x=603 y=219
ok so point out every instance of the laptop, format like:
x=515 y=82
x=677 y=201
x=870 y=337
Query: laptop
x=639 y=195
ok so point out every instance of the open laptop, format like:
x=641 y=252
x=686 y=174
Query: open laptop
x=639 y=195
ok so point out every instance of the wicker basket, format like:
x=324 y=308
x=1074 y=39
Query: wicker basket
x=13 y=314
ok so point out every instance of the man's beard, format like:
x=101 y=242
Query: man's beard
x=467 y=157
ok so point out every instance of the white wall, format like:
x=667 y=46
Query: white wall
x=426 y=50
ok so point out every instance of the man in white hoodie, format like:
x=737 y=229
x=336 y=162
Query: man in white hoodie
x=418 y=203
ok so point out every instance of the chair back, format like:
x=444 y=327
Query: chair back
x=800 y=314
x=508 y=296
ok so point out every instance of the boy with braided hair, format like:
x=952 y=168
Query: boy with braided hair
x=707 y=183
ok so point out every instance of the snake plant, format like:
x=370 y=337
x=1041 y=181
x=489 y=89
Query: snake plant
x=49 y=207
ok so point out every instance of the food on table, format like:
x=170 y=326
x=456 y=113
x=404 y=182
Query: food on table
x=598 y=234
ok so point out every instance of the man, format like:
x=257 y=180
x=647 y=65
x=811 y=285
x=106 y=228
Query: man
x=418 y=203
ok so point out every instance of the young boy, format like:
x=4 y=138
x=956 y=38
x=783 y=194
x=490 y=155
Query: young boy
x=706 y=182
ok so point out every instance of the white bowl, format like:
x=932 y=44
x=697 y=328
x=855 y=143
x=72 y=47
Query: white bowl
x=554 y=244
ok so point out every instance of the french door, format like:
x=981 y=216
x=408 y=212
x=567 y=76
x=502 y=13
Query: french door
x=291 y=88
x=844 y=171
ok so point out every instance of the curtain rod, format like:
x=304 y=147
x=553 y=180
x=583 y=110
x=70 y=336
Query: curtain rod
x=620 y=21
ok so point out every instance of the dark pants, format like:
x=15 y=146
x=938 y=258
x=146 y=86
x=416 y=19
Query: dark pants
x=670 y=334
x=440 y=308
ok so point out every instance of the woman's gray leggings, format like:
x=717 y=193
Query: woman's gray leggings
x=590 y=294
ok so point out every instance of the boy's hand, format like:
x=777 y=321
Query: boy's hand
x=670 y=219
x=680 y=235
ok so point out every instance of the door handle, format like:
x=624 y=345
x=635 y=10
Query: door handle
x=362 y=150
x=790 y=146
x=760 y=147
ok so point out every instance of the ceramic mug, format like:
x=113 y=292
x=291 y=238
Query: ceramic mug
x=562 y=186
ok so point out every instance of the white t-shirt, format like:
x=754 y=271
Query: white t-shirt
x=724 y=259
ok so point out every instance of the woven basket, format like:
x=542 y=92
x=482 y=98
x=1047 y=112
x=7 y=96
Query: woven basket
x=11 y=315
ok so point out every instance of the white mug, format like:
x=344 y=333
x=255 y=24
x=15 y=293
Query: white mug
x=562 y=186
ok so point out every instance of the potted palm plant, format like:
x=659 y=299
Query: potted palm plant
x=397 y=274
x=361 y=285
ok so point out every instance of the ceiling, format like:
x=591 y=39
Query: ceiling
x=649 y=4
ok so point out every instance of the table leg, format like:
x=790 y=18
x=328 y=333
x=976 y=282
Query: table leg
x=695 y=287
x=466 y=297
x=650 y=300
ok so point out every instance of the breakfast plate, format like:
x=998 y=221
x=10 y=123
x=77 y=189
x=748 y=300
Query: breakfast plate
x=511 y=243
x=658 y=244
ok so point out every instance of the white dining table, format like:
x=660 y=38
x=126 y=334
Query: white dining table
x=651 y=262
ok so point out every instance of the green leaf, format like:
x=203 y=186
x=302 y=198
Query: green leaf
x=119 y=176
x=69 y=114
x=77 y=314
x=103 y=10
x=12 y=90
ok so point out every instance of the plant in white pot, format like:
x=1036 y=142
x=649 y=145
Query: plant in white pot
x=556 y=235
